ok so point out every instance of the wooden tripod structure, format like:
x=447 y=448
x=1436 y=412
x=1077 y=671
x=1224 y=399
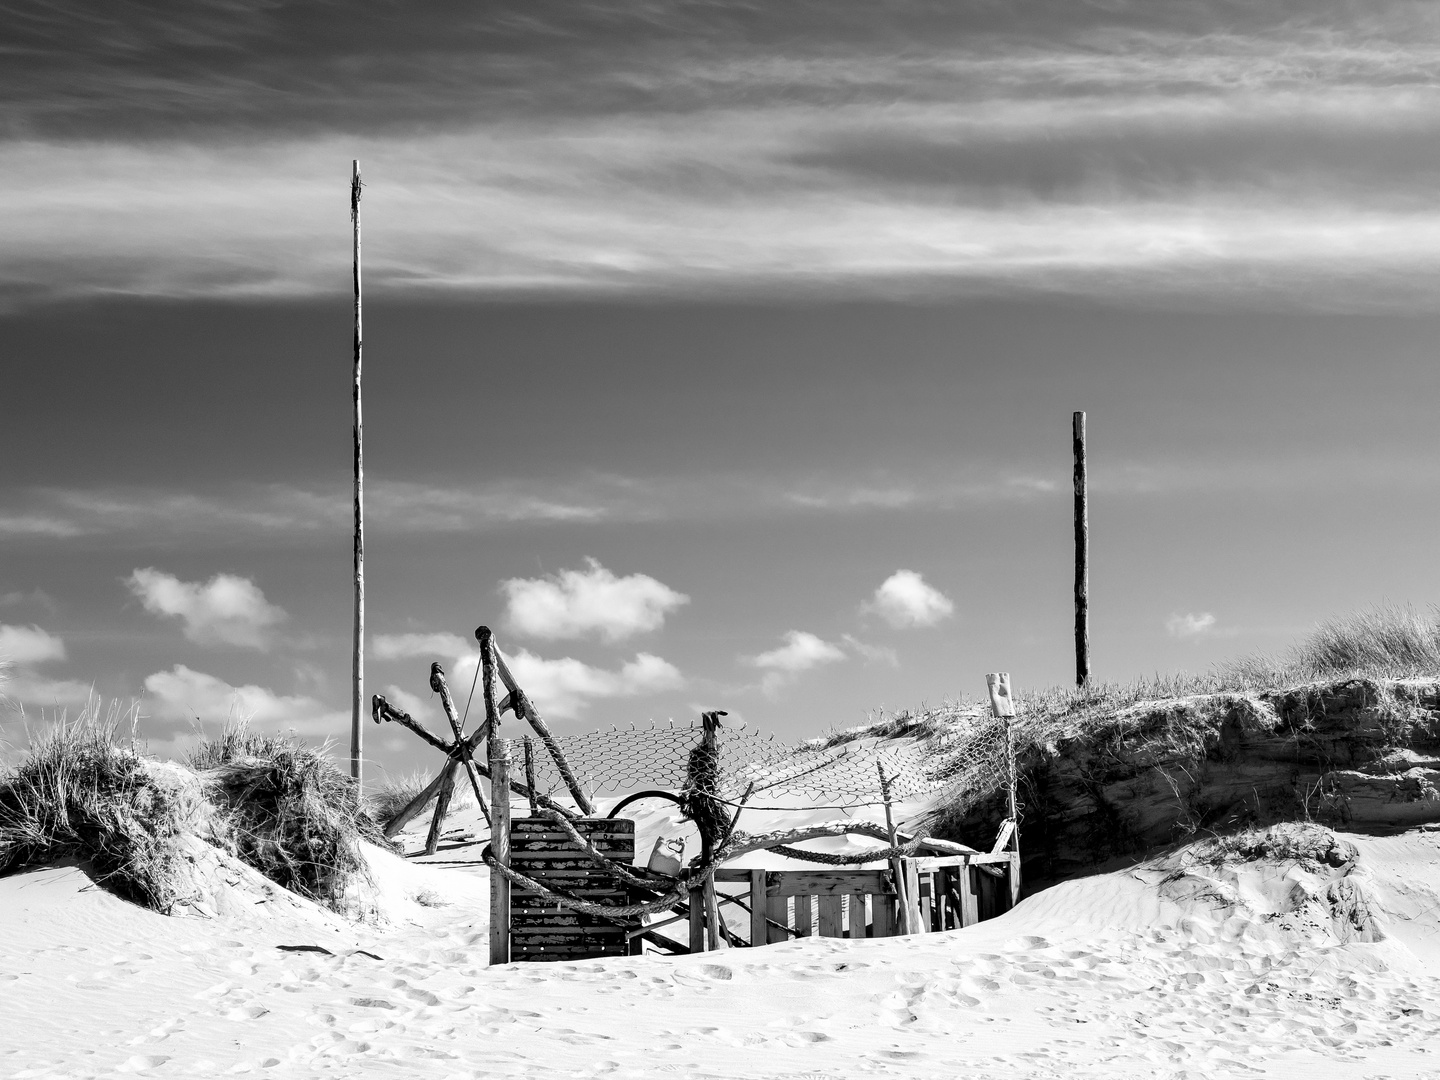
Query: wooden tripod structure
x=460 y=750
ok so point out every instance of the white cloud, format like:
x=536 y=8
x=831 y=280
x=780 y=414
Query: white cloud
x=574 y=603
x=905 y=600
x=420 y=646
x=872 y=654
x=182 y=694
x=27 y=645
x=226 y=610
x=562 y=689
x=801 y=652
x=1191 y=625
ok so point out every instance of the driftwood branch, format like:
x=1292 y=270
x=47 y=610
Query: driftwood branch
x=382 y=711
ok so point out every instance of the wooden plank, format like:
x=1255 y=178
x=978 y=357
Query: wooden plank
x=732 y=876
x=857 y=916
x=969 y=898
x=585 y=826
x=1014 y=878
x=926 y=887
x=882 y=916
x=777 y=908
x=830 y=915
x=828 y=882
x=911 y=896
x=758 y=934
x=804 y=912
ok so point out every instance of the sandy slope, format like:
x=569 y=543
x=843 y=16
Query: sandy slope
x=1231 y=971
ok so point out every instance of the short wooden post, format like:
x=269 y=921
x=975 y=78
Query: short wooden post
x=1082 y=558
x=697 y=919
x=712 y=914
x=500 y=849
x=759 y=934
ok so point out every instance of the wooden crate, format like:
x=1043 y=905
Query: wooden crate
x=542 y=930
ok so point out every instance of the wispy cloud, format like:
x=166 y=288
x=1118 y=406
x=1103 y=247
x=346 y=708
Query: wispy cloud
x=593 y=601
x=801 y=652
x=1191 y=625
x=183 y=695
x=1263 y=156
x=29 y=645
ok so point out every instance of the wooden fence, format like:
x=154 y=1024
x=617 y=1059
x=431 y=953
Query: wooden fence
x=950 y=892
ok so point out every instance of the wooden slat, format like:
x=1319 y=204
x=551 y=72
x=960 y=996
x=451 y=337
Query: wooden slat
x=830 y=915
x=758 y=935
x=824 y=882
x=732 y=876
x=804 y=913
x=926 y=881
x=857 y=915
x=883 y=916
x=778 y=909
x=969 y=898
x=584 y=826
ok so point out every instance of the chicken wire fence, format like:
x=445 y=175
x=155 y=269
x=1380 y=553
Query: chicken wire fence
x=968 y=761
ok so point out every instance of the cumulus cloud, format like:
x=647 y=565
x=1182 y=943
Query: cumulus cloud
x=563 y=689
x=904 y=600
x=182 y=694
x=577 y=603
x=226 y=610
x=26 y=645
x=420 y=646
x=1190 y=625
x=801 y=652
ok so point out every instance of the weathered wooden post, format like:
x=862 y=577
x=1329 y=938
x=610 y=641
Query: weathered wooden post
x=1082 y=558
x=1002 y=705
x=499 y=808
x=906 y=900
x=357 y=696
x=530 y=772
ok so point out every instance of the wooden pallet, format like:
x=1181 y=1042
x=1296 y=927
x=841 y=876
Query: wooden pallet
x=541 y=931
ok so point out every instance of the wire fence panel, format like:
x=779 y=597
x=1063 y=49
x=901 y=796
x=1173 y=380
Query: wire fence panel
x=971 y=757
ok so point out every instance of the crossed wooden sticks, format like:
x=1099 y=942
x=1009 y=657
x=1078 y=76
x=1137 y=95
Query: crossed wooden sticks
x=461 y=750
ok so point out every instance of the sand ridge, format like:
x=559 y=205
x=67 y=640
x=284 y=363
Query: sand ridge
x=1109 y=976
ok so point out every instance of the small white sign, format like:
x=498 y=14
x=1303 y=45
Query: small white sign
x=1001 y=703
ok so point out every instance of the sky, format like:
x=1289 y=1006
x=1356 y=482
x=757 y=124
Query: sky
x=718 y=355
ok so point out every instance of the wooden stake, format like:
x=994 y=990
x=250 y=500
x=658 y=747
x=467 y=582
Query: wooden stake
x=358 y=642
x=441 y=687
x=499 y=842
x=897 y=865
x=1082 y=558
x=530 y=771
x=523 y=706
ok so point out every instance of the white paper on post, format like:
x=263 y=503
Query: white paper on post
x=1001 y=703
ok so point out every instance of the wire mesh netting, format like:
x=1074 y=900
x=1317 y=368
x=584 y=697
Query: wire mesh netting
x=971 y=758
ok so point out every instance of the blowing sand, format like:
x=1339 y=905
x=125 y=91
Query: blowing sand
x=1168 y=970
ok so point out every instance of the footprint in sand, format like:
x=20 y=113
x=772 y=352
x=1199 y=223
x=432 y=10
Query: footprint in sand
x=141 y=1063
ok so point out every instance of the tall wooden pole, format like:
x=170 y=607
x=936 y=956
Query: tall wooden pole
x=1082 y=559
x=358 y=642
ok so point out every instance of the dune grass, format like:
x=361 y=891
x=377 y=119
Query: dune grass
x=80 y=793
x=398 y=791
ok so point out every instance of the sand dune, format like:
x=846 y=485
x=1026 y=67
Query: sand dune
x=1237 y=970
